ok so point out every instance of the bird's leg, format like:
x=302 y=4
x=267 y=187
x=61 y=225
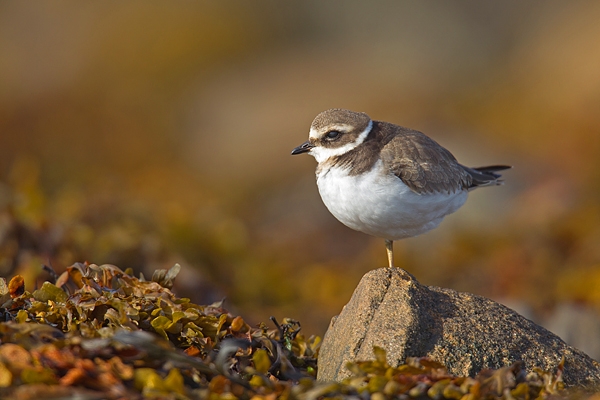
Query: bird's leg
x=389 y=246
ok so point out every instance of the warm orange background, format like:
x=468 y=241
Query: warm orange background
x=149 y=133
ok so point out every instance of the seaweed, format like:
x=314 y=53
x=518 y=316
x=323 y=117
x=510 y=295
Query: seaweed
x=97 y=332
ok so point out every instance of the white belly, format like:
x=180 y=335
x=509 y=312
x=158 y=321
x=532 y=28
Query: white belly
x=382 y=205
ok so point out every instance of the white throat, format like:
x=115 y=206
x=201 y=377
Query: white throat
x=323 y=153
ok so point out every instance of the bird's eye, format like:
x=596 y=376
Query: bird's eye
x=332 y=134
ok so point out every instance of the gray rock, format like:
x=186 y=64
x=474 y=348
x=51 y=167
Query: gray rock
x=466 y=333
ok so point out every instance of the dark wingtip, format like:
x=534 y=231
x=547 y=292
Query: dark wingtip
x=486 y=176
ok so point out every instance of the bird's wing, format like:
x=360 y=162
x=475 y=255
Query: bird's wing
x=422 y=164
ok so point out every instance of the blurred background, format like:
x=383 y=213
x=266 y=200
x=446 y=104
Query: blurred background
x=145 y=134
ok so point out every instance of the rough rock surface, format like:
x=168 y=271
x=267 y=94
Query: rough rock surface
x=467 y=333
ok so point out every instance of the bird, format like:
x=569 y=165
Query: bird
x=386 y=180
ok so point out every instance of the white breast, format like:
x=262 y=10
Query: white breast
x=380 y=204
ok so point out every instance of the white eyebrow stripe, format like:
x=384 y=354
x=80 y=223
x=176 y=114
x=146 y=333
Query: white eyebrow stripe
x=340 y=127
x=323 y=153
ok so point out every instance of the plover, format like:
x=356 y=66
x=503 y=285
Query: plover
x=386 y=180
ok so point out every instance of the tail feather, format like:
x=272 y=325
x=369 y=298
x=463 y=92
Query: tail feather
x=486 y=176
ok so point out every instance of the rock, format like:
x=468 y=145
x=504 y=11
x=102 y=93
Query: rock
x=465 y=332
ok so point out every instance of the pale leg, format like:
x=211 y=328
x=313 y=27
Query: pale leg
x=389 y=246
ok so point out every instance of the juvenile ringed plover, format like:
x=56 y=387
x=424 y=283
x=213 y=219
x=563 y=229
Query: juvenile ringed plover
x=386 y=180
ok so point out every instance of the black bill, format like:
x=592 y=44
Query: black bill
x=303 y=148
